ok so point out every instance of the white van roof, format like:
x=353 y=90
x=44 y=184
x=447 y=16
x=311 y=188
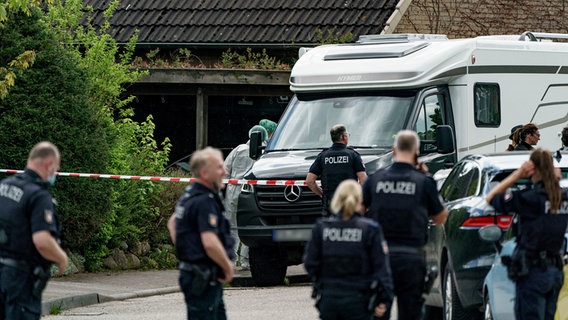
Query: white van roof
x=415 y=60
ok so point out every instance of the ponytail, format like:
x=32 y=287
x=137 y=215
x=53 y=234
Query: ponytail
x=542 y=160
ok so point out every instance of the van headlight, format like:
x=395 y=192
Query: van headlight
x=247 y=188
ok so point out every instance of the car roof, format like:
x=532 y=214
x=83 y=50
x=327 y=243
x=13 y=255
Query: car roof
x=504 y=161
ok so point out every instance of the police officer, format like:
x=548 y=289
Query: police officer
x=202 y=237
x=29 y=234
x=543 y=217
x=347 y=259
x=334 y=165
x=402 y=198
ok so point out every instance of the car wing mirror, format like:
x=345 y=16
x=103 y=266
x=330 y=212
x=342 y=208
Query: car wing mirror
x=491 y=233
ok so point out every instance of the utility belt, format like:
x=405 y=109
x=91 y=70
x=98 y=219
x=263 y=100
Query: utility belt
x=372 y=292
x=41 y=275
x=333 y=287
x=544 y=259
x=204 y=276
x=520 y=263
x=17 y=264
x=407 y=249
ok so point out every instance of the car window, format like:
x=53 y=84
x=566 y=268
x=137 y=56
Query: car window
x=462 y=182
x=520 y=184
x=448 y=185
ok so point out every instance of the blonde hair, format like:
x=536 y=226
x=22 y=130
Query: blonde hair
x=542 y=160
x=200 y=159
x=347 y=198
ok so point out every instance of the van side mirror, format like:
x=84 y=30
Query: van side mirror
x=445 y=139
x=255 y=145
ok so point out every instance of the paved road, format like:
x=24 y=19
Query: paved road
x=283 y=303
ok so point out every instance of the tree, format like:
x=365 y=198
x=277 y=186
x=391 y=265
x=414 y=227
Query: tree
x=10 y=71
x=73 y=95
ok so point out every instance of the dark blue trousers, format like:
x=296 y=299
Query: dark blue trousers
x=343 y=305
x=537 y=294
x=207 y=306
x=16 y=299
x=408 y=273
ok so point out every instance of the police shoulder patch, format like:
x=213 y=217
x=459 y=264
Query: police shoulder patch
x=385 y=247
x=48 y=214
x=212 y=220
x=508 y=196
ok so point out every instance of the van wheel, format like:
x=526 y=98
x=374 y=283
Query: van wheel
x=267 y=266
x=453 y=309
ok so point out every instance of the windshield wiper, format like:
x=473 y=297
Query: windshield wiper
x=295 y=149
x=367 y=147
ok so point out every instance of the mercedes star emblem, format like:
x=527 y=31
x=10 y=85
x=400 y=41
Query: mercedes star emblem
x=292 y=193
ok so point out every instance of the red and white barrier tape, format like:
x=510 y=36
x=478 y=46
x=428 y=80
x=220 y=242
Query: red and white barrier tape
x=171 y=179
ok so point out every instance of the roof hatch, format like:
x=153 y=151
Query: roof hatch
x=387 y=50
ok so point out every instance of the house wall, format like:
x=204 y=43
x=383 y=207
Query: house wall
x=470 y=18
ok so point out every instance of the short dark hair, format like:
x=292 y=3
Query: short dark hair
x=336 y=132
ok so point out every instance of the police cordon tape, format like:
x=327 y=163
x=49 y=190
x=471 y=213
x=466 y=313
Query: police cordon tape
x=171 y=179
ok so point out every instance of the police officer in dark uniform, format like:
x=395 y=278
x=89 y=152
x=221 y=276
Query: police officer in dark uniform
x=29 y=234
x=203 y=239
x=402 y=198
x=347 y=260
x=542 y=210
x=334 y=165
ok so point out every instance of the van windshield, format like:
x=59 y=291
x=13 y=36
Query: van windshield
x=371 y=121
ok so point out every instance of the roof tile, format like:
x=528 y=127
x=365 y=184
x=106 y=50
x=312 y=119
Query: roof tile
x=242 y=21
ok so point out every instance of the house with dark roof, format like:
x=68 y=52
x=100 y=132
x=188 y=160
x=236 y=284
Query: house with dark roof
x=207 y=100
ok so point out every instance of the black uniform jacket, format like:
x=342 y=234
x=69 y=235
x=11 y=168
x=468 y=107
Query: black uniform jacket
x=199 y=210
x=402 y=198
x=540 y=230
x=349 y=254
x=27 y=207
x=336 y=164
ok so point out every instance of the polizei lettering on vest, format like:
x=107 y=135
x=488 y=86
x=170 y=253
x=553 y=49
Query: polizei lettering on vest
x=11 y=192
x=397 y=187
x=336 y=160
x=342 y=235
x=563 y=209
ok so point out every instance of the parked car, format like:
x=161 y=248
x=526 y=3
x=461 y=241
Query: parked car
x=499 y=290
x=455 y=249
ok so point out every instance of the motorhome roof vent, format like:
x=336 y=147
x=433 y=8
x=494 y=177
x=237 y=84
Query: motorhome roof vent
x=387 y=50
x=397 y=38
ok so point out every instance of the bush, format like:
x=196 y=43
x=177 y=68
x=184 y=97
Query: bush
x=49 y=102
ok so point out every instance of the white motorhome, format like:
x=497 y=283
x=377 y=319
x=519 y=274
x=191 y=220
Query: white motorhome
x=462 y=96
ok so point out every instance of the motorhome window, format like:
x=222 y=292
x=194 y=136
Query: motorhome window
x=487 y=105
x=429 y=117
x=372 y=121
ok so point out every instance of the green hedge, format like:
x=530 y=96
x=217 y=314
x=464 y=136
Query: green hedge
x=73 y=96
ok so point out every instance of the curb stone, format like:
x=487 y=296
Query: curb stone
x=86 y=299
